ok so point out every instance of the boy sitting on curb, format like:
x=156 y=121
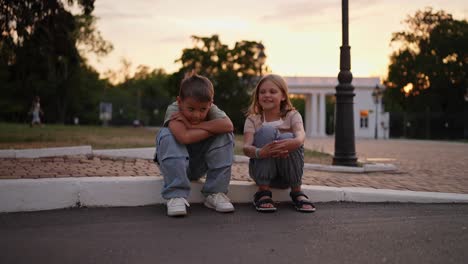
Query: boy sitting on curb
x=196 y=139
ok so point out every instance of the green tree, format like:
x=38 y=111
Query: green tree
x=233 y=72
x=40 y=55
x=428 y=70
x=143 y=95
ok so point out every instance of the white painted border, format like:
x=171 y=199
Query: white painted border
x=45 y=194
x=38 y=194
x=140 y=153
x=45 y=152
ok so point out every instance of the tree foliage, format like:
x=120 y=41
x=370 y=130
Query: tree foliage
x=233 y=72
x=428 y=70
x=143 y=96
x=43 y=47
x=40 y=55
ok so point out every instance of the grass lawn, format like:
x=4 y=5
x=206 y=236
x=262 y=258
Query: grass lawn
x=21 y=136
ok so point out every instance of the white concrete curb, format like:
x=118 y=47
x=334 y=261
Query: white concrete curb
x=7 y=153
x=140 y=153
x=373 y=167
x=369 y=195
x=46 y=194
x=45 y=152
x=35 y=195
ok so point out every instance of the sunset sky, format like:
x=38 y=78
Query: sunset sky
x=302 y=38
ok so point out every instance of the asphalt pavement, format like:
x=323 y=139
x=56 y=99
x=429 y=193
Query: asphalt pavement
x=336 y=233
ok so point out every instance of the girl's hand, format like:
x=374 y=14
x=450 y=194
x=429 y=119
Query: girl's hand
x=279 y=149
x=274 y=149
x=178 y=116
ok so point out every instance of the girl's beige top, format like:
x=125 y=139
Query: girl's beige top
x=254 y=122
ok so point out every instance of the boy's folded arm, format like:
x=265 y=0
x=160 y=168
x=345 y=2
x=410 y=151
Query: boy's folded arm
x=187 y=136
x=216 y=126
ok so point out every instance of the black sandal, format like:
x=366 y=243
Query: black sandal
x=299 y=204
x=258 y=203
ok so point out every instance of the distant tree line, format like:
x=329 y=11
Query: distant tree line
x=43 y=52
x=427 y=77
x=44 y=44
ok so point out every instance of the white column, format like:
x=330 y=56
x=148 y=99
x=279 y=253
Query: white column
x=378 y=120
x=314 y=115
x=321 y=115
x=308 y=115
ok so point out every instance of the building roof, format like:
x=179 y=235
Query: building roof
x=327 y=82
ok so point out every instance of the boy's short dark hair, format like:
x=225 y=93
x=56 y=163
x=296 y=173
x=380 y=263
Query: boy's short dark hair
x=198 y=87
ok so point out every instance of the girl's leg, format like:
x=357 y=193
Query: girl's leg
x=291 y=169
x=173 y=163
x=262 y=171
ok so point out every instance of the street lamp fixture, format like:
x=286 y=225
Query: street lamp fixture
x=465 y=132
x=377 y=95
x=261 y=58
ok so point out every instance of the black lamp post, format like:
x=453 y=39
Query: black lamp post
x=465 y=116
x=261 y=57
x=345 y=150
x=377 y=95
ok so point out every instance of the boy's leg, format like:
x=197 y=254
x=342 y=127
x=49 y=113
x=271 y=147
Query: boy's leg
x=215 y=157
x=219 y=159
x=173 y=163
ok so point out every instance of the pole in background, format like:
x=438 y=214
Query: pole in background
x=377 y=95
x=345 y=149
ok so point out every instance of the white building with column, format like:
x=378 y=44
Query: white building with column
x=370 y=120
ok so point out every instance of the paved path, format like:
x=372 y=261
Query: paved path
x=422 y=166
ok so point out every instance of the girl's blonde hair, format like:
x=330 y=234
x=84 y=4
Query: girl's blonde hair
x=286 y=105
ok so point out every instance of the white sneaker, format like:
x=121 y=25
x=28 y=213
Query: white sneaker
x=219 y=202
x=176 y=206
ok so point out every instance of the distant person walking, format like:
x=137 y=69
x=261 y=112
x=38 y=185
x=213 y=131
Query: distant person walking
x=36 y=111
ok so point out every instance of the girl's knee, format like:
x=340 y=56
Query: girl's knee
x=287 y=135
x=265 y=135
